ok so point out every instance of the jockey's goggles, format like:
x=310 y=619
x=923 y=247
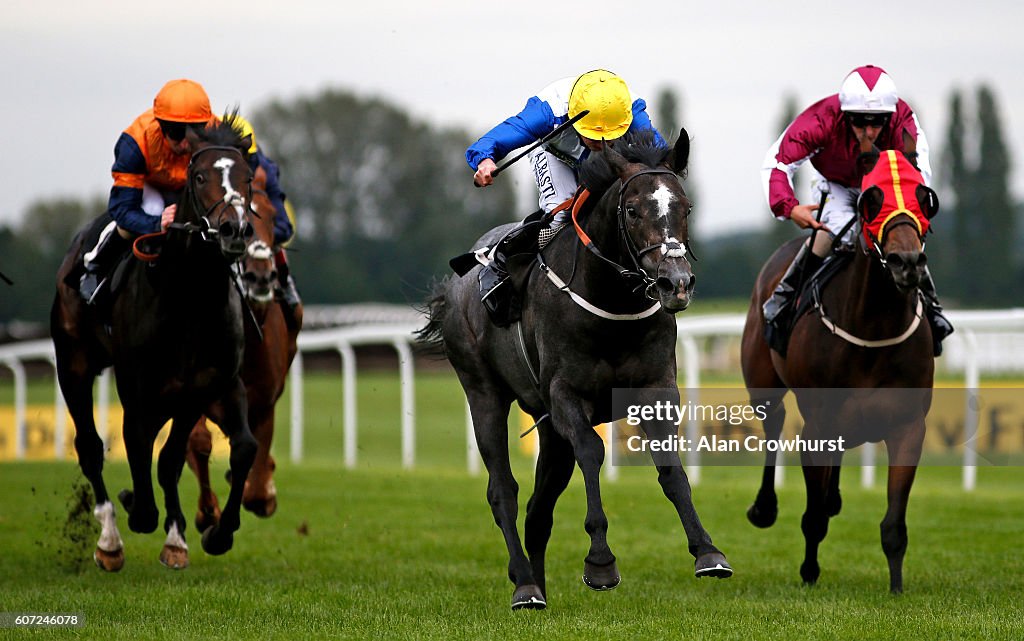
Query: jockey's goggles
x=175 y=131
x=862 y=119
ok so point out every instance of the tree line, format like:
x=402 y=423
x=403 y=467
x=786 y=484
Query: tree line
x=382 y=201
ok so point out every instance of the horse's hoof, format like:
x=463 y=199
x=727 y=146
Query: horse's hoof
x=528 y=597
x=810 y=572
x=216 y=541
x=207 y=518
x=762 y=517
x=109 y=561
x=601 y=577
x=262 y=508
x=174 y=557
x=712 y=564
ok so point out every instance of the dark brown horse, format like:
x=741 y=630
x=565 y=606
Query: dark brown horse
x=270 y=345
x=861 y=367
x=604 y=326
x=175 y=339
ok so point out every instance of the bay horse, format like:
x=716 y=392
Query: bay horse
x=577 y=340
x=175 y=340
x=270 y=347
x=860 y=364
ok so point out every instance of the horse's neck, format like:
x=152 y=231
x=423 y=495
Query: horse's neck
x=866 y=296
x=593 y=278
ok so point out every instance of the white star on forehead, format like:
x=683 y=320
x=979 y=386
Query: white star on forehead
x=664 y=197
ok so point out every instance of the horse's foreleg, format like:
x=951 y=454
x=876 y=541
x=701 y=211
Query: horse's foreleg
x=766 y=506
x=709 y=560
x=490 y=423
x=200 y=447
x=235 y=425
x=572 y=419
x=894 y=525
x=260 y=495
x=554 y=470
x=172 y=458
x=139 y=432
x=815 y=519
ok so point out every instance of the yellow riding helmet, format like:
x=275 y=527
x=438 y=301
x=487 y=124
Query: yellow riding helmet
x=244 y=128
x=610 y=104
x=182 y=101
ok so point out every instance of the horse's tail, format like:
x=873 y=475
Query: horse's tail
x=435 y=308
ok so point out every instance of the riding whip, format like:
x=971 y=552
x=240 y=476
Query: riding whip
x=554 y=132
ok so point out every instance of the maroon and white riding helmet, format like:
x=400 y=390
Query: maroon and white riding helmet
x=868 y=89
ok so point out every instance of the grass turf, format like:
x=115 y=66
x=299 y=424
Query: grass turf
x=378 y=552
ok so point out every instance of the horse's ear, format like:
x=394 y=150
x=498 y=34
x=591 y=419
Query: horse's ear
x=615 y=160
x=929 y=201
x=680 y=155
x=870 y=203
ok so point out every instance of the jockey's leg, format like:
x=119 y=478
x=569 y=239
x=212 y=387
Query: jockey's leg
x=100 y=261
x=285 y=280
x=778 y=310
x=941 y=327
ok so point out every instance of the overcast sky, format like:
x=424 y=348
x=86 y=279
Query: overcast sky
x=75 y=73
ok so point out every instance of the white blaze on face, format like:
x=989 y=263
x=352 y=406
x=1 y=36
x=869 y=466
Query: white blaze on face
x=663 y=196
x=231 y=196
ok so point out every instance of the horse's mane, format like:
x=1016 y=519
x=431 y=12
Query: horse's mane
x=637 y=147
x=225 y=133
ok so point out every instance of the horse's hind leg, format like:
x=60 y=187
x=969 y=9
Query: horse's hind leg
x=554 y=470
x=708 y=560
x=76 y=381
x=490 y=423
x=894 y=525
x=235 y=425
x=172 y=458
x=200 y=446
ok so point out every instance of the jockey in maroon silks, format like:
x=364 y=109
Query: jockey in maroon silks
x=866 y=113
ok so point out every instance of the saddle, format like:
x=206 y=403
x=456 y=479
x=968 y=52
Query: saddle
x=506 y=266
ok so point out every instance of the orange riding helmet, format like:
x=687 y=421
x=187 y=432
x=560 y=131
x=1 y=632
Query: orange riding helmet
x=182 y=101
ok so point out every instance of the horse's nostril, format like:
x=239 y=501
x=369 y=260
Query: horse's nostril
x=664 y=285
x=226 y=230
x=248 y=231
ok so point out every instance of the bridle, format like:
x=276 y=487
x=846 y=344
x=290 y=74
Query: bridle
x=204 y=228
x=647 y=284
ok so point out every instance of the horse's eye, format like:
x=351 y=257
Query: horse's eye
x=201 y=178
x=631 y=211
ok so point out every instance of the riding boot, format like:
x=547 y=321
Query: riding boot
x=778 y=310
x=496 y=290
x=99 y=264
x=286 y=285
x=941 y=327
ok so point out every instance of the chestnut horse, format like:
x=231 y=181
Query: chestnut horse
x=607 y=325
x=860 y=364
x=270 y=346
x=175 y=339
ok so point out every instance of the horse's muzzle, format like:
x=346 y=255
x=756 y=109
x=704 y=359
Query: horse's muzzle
x=907 y=268
x=675 y=286
x=234 y=238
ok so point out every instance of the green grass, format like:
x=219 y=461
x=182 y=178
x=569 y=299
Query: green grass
x=378 y=552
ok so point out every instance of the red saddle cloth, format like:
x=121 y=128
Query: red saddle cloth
x=898 y=180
